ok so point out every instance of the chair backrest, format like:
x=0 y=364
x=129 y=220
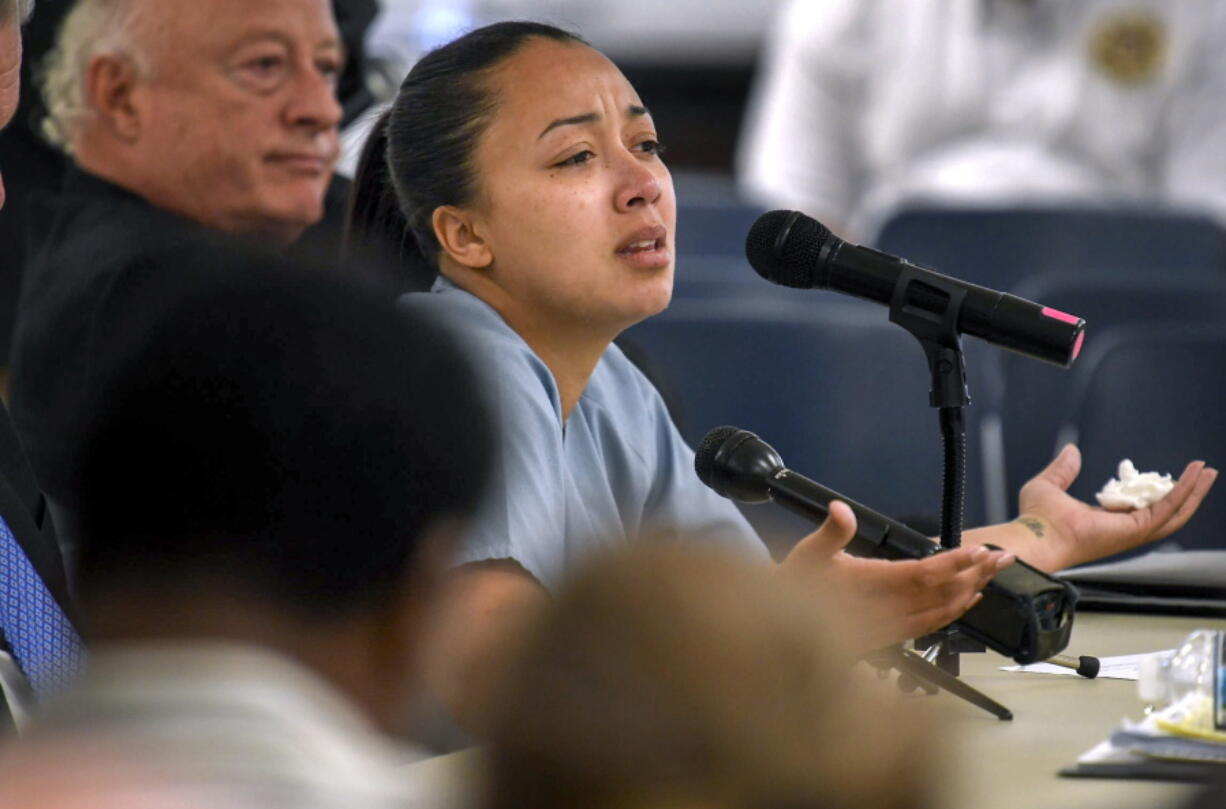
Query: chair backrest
x=1035 y=394
x=717 y=228
x=716 y=276
x=1155 y=396
x=837 y=389
x=1000 y=247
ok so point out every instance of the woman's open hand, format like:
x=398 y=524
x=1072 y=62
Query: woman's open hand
x=890 y=601
x=1067 y=531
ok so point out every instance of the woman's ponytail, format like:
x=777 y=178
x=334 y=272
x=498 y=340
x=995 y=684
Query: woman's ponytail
x=376 y=230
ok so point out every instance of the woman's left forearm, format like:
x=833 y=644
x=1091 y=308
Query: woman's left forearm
x=1032 y=538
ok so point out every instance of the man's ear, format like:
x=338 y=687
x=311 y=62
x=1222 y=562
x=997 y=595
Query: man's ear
x=460 y=238
x=111 y=85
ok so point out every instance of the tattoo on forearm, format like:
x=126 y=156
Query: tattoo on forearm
x=1036 y=526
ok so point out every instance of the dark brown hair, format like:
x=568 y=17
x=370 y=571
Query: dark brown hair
x=677 y=674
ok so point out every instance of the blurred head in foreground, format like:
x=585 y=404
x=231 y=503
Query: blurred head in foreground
x=281 y=460
x=673 y=676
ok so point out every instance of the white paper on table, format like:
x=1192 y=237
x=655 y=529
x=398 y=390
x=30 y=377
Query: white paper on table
x=1122 y=667
x=1107 y=753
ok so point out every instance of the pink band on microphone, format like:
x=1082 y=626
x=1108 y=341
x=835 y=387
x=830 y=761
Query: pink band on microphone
x=1056 y=314
x=1081 y=338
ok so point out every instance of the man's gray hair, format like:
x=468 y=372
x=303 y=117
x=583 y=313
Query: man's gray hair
x=92 y=28
x=15 y=10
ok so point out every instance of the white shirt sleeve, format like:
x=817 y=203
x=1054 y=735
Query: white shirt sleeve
x=800 y=147
x=1194 y=129
x=15 y=691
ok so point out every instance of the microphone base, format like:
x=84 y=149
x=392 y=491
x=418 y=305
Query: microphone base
x=943 y=647
x=933 y=678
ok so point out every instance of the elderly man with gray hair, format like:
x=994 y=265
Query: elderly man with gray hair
x=181 y=118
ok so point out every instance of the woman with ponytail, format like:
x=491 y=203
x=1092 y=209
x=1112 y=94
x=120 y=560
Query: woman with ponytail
x=532 y=202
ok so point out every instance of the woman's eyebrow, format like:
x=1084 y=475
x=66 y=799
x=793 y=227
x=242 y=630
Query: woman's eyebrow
x=586 y=118
x=633 y=111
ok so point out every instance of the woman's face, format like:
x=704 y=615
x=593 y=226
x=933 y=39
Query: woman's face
x=574 y=202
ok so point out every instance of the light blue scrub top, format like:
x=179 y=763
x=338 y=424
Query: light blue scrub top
x=619 y=469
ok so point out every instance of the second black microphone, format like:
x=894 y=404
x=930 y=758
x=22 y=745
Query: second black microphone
x=1024 y=614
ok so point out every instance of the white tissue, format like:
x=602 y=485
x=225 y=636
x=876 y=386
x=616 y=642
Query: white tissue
x=1133 y=489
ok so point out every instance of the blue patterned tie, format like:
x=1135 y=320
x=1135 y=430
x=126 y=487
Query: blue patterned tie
x=40 y=637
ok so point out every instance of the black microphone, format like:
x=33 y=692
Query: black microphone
x=740 y=466
x=1024 y=613
x=794 y=250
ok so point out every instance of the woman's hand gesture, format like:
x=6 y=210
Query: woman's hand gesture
x=1065 y=531
x=886 y=601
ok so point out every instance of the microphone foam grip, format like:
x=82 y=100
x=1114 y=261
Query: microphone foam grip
x=784 y=246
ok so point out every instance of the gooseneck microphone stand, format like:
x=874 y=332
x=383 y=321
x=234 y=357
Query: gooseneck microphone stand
x=935 y=326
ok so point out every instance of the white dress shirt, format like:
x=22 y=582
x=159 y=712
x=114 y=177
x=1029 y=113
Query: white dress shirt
x=865 y=104
x=229 y=725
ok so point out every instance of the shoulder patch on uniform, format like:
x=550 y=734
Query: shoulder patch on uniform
x=1130 y=47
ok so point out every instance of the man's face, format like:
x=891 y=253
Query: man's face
x=10 y=77
x=238 y=114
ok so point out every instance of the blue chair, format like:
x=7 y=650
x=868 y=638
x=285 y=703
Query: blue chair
x=715 y=276
x=714 y=228
x=1035 y=393
x=1154 y=395
x=837 y=389
x=1000 y=247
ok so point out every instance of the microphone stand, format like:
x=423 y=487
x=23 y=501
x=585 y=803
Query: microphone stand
x=938 y=335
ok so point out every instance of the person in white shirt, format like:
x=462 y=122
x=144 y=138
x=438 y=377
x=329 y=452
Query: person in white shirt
x=865 y=105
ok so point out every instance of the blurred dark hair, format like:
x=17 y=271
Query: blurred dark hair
x=277 y=429
x=680 y=674
x=420 y=152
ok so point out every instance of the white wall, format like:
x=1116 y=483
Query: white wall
x=645 y=31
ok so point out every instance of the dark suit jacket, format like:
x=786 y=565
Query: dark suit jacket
x=89 y=274
x=95 y=266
